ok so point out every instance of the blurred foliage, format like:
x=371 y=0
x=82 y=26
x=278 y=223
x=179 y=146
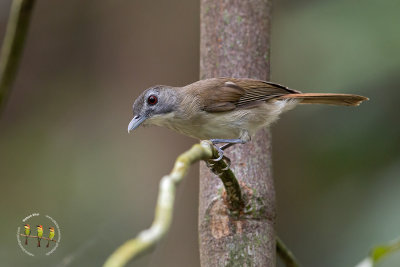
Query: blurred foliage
x=380 y=252
x=64 y=150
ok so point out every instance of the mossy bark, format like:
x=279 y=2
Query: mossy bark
x=235 y=43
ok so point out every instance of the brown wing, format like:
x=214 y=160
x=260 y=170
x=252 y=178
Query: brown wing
x=221 y=96
x=225 y=94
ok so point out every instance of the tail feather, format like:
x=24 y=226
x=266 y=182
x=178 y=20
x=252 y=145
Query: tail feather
x=326 y=98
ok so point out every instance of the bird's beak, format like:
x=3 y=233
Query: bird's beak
x=135 y=122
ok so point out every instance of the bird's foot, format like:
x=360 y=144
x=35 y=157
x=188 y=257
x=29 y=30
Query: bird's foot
x=229 y=143
x=220 y=153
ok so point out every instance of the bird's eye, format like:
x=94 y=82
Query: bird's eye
x=152 y=100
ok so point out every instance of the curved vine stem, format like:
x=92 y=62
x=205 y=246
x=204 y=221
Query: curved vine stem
x=13 y=45
x=147 y=239
x=285 y=254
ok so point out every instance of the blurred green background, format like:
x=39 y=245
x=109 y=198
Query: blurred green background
x=65 y=151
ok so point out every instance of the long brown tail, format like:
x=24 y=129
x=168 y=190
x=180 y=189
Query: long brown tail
x=326 y=98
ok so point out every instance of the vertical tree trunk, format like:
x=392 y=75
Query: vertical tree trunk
x=235 y=43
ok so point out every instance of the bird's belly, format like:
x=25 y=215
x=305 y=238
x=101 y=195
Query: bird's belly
x=240 y=123
x=206 y=129
x=227 y=125
x=211 y=130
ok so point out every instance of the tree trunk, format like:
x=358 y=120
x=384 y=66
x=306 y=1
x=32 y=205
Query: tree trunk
x=235 y=43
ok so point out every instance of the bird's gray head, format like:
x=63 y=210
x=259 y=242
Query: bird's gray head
x=153 y=103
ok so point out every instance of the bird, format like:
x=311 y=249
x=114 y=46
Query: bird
x=27 y=232
x=224 y=110
x=51 y=236
x=39 y=229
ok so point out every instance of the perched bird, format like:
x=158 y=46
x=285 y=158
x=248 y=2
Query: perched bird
x=51 y=236
x=27 y=232
x=39 y=229
x=224 y=110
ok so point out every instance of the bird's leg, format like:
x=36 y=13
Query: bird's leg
x=227 y=146
x=229 y=143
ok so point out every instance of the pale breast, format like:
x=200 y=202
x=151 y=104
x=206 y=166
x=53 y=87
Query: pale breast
x=240 y=123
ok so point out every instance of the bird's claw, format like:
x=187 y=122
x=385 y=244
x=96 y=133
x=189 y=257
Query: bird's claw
x=220 y=153
x=221 y=156
x=210 y=163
